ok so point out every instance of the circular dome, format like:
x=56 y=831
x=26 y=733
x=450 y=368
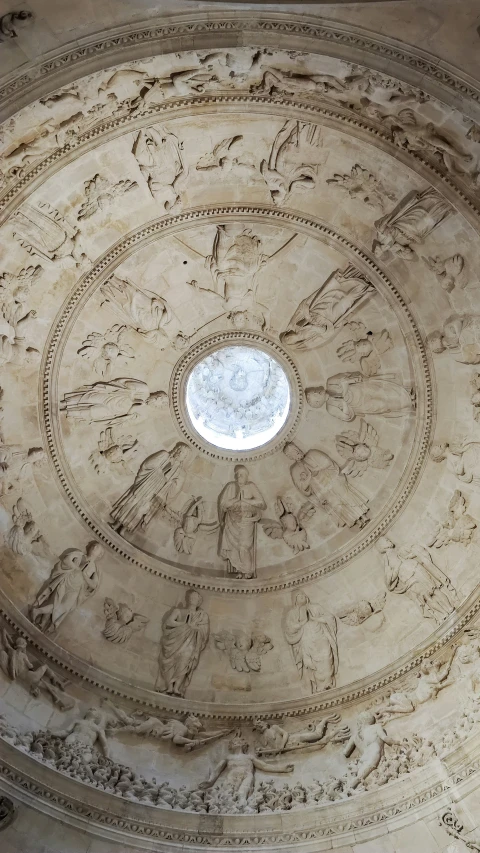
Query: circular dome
x=238 y=397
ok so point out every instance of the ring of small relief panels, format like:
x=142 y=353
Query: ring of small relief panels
x=167 y=225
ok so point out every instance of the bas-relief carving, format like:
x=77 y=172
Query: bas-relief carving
x=100 y=194
x=24 y=536
x=362 y=184
x=226 y=159
x=461 y=336
x=294 y=160
x=370 y=739
x=458 y=526
x=448 y=271
x=17 y=465
x=121 y=622
x=189 y=733
x=158 y=154
x=365 y=346
x=358 y=612
x=348 y=395
x=240 y=507
x=141 y=310
x=433 y=677
x=157 y=483
x=8 y=24
x=16 y=664
x=8 y=812
x=462 y=458
x=410 y=222
x=289 y=526
x=454 y=827
x=274 y=740
x=312 y=634
x=320 y=316
x=73 y=579
x=42 y=231
x=107 y=350
x=113 y=402
x=185 y=632
x=188 y=522
x=244 y=650
x=361 y=450
x=320 y=479
x=115 y=451
x=17 y=321
x=410 y=570
x=231 y=782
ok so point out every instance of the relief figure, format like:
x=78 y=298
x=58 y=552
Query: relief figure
x=240 y=507
x=141 y=310
x=411 y=221
x=312 y=633
x=185 y=633
x=110 y=402
x=320 y=316
x=348 y=395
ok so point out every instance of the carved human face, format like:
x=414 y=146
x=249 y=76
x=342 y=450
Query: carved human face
x=194 y=600
x=293 y=452
x=241 y=476
x=316 y=397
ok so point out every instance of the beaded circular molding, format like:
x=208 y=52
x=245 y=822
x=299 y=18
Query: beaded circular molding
x=331 y=542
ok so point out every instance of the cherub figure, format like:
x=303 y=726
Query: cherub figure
x=369 y=738
x=432 y=678
x=289 y=526
x=274 y=739
x=189 y=733
x=361 y=450
x=244 y=650
x=121 y=622
x=366 y=346
x=448 y=271
x=24 y=537
x=16 y=464
x=16 y=664
x=458 y=527
x=105 y=348
x=114 y=450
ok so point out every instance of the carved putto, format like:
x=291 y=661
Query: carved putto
x=244 y=650
x=289 y=526
x=121 y=622
x=107 y=351
x=17 y=665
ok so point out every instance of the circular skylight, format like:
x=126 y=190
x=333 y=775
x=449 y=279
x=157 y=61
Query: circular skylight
x=238 y=397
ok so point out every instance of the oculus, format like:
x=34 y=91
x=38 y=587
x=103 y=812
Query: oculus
x=238 y=397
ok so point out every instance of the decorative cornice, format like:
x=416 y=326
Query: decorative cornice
x=168 y=34
x=422 y=793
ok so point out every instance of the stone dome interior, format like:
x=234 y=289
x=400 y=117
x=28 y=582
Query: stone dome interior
x=239 y=441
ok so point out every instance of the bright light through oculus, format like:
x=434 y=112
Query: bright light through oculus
x=238 y=397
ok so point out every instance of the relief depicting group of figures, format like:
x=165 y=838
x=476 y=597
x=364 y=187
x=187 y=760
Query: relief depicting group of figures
x=319 y=479
x=82 y=749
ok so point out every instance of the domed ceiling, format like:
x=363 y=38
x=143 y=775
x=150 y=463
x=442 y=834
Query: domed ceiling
x=240 y=457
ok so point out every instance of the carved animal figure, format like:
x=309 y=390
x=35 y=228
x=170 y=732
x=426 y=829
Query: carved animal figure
x=121 y=622
x=245 y=651
x=289 y=526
